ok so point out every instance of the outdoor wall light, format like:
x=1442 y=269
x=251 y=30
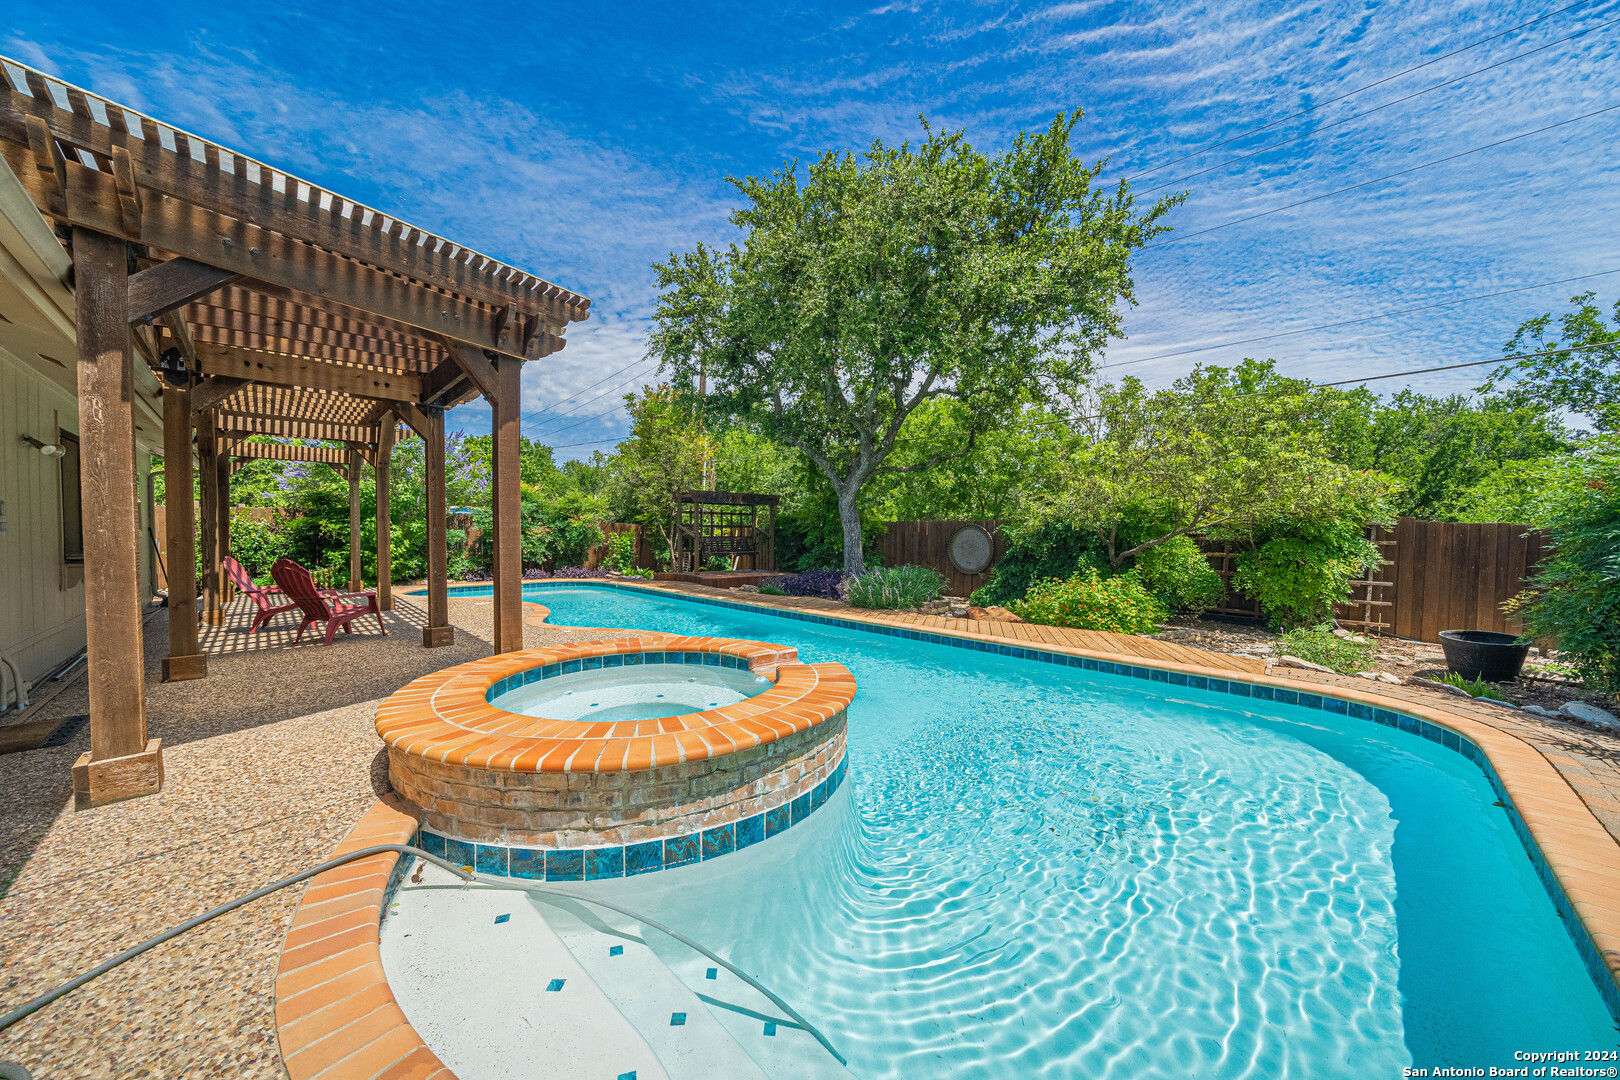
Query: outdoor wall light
x=48 y=449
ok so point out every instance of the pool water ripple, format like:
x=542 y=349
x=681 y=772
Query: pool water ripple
x=1038 y=872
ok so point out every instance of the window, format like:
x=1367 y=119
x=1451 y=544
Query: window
x=72 y=506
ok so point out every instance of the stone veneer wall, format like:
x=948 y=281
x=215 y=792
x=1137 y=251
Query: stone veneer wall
x=574 y=810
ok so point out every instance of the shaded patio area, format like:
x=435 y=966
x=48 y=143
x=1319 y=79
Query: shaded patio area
x=270 y=761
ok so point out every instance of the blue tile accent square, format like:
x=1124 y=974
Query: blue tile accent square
x=551 y=671
x=503 y=918
x=492 y=859
x=770 y=1028
x=818 y=794
x=1239 y=689
x=800 y=808
x=1310 y=701
x=616 y=660
x=1198 y=682
x=531 y=675
x=677 y=1019
x=777 y=820
x=721 y=840
x=681 y=850
x=1452 y=740
x=1360 y=711
x=1178 y=679
x=632 y=659
x=631 y=1075
x=527 y=863
x=565 y=865
x=555 y=985
x=652 y=658
x=1262 y=693
x=750 y=831
x=1220 y=686
x=1284 y=697
x=458 y=852
x=643 y=858
x=711 y=659
x=712 y=973
x=590 y=663
x=1336 y=705
x=432 y=843
x=604 y=862
x=615 y=950
x=568 y=667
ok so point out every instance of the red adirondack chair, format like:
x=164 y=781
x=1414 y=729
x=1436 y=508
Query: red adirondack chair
x=296 y=582
x=264 y=598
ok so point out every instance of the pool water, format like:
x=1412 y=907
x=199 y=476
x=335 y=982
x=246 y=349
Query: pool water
x=613 y=694
x=1037 y=871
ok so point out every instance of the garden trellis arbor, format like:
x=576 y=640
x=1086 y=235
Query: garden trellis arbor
x=724 y=523
x=271 y=306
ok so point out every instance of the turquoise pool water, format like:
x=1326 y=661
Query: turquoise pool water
x=1037 y=871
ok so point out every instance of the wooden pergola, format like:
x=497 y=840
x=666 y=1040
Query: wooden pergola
x=268 y=306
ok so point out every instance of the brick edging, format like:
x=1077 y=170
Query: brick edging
x=336 y=1018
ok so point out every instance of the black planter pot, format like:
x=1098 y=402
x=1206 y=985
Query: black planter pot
x=1483 y=654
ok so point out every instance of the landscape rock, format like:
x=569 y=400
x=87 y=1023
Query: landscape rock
x=1591 y=714
x=1381 y=676
x=958 y=611
x=1296 y=662
x=748 y=588
x=1000 y=614
x=1539 y=711
x=1455 y=691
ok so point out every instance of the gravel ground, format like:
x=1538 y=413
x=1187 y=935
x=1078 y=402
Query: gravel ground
x=268 y=763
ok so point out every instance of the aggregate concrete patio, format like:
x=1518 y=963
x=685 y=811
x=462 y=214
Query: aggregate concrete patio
x=270 y=762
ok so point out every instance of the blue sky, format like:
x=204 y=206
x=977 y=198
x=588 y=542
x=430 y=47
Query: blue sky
x=583 y=143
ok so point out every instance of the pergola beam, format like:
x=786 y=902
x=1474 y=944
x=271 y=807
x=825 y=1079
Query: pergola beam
x=251 y=424
x=210 y=392
x=171 y=284
x=329 y=455
x=297 y=371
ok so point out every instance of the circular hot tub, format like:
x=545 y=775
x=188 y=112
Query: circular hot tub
x=612 y=758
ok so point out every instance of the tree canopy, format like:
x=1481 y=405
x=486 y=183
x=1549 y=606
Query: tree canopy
x=905 y=275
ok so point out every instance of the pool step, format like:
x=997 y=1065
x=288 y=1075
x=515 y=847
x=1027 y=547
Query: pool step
x=727 y=1028
x=497 y=995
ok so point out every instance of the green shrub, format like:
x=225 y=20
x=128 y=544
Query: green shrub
x=769 y=589
x=257 y=544
x=1296 y=579
x=1575 y=596
x=621 y=552
x=1177 y=572
x=1474 y=688
x=1049 y=549
x=895 y=587
x=1318 y=645
x=1088 y=601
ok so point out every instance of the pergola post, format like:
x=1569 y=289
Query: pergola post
x=185 y=659
x=208 y=498
x=385 y=570
x=506 y=499
x=222 y=546
x=121 y=763
x=438 y=631
x=354 y=522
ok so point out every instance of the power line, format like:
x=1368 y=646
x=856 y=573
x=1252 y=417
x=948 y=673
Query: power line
x=1369 y=112
x=1070 y=421
x=1359 y=89
x=1355 y=322
x=593 y=386
x=1381 y=179
x=597 y=398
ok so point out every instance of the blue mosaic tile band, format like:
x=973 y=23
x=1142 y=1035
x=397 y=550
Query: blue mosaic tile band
x=1399 y=721
x=589 y=663
x=596 y=863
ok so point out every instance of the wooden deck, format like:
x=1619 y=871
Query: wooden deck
x=1056 y=638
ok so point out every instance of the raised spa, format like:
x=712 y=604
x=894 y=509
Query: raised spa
x=639 y=692
x=613 y=758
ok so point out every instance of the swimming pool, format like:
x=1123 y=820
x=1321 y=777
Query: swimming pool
x=1041 y=871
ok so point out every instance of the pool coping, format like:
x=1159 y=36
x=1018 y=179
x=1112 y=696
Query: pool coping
x=336 y=1018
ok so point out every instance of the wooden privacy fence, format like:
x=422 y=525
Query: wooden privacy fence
x=928 y=543
x=1436 y=575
